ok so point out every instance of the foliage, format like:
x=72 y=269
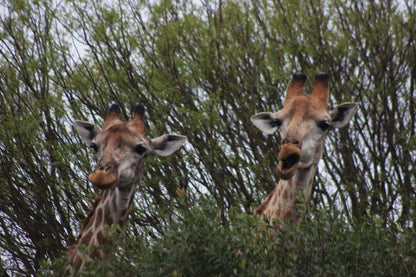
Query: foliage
x=203 y=243
x=202 y=69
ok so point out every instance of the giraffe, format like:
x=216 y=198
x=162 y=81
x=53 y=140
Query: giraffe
x=121 y=148
x=303 y=124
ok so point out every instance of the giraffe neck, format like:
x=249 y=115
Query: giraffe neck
x=281 y=202
x=110 y=208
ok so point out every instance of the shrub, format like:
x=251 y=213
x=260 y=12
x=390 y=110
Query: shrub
x=202 y=241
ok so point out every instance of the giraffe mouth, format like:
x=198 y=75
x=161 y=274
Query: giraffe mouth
x=103 y=179
x=289 y=158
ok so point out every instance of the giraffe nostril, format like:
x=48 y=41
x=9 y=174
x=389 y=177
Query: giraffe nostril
x=105 y=167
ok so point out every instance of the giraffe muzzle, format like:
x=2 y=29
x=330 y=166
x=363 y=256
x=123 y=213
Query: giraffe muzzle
x=289 y=157
x=103 y=178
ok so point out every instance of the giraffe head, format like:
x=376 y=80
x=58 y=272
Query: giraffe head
x=122 y=146
x=303 y=124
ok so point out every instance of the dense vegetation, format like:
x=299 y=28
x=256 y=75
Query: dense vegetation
x=202 y=243
x=202 y=69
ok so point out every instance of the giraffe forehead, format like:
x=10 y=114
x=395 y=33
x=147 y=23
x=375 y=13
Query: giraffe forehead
x=303 y=107
x=118 y=134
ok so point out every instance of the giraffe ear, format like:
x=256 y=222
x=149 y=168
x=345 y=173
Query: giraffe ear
x=87 y=131
x=342 y=114
x=265 y=122
x=167 y=144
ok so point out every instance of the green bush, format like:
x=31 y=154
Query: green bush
x=202 y=241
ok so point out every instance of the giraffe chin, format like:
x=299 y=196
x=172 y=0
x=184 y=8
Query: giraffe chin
x=289 y=158
x=102 y=179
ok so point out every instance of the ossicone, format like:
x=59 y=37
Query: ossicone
x=320 y=92
x=113 y=114
x=137 y=121
x=295 y=86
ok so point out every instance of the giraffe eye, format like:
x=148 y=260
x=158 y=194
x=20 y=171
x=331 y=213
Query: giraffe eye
x=140 y=149
x=94 y=146
x=276 y=123
x=324 y=125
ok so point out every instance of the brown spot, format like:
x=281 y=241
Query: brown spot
x=99 y=217
x=260 y=209
x=278 y=210
x=100 y=238
x=279 y=207
x=86 y=238
x=77 y=262
x=107 y=209
x=284 y=194
x=107 y=215
x=287 y=215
